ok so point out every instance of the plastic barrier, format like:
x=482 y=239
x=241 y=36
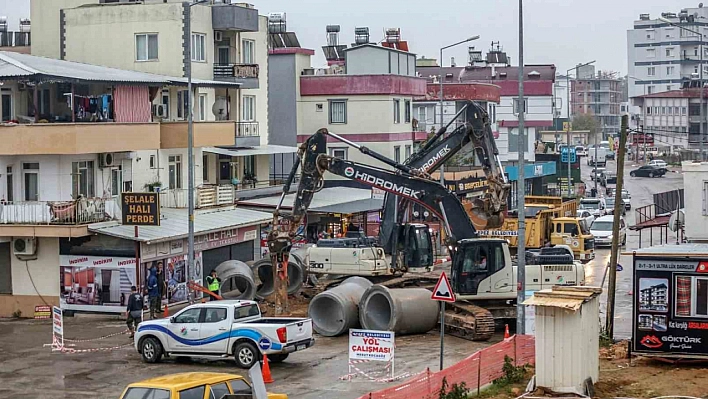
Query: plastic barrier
x=477 y=370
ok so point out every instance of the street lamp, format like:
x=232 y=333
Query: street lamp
x=469 y=39
x=700 y=122
x=187 y=48
x=567 y=84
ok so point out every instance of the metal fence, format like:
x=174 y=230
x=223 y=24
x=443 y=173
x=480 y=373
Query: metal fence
x=75 y=212
x=477 y=370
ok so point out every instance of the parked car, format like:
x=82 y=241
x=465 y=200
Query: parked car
x=610 y=202
x=580 y=151
x=602 y=230
x=608 y=177
x=192 y=385
x=221 y=329
x=626 y=199
x=648 y=171
x=586 y=216
x=595 y=176
x=596 y=206
x=658 y=163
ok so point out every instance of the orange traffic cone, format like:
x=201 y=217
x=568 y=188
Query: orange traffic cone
x=267 y=378
x=166 y=313
x=506 y=331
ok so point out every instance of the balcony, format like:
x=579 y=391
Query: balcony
x=247 y=134
x=206 y=134
x=246 y=74
x=234 y=17
x=687 y=57
x=67 y=213
x=209 y=196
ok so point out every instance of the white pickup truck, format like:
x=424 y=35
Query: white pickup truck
x=221 y=329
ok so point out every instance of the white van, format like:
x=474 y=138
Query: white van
x=602 y=230
x=596 y=206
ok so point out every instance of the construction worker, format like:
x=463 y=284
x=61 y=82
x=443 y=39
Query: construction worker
x=213 y=283
x=134 y=310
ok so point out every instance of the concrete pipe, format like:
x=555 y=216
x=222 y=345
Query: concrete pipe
x=401 y=310
x=264 y=272
x=237 y=280
x=335 y=311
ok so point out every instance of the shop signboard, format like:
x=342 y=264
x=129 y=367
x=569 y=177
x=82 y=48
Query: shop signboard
x=670 y=315
x=204 y=242
x=140 y=209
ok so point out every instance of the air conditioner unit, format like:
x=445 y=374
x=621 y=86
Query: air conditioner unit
x=106 y=160
x=218 y=35
x=159 y=110
x=26 y=246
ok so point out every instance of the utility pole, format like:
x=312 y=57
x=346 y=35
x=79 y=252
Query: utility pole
x=614 y=255
x=521 y=190
x=567 y=135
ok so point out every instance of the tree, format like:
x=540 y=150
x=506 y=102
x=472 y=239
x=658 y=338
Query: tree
x=586 y=122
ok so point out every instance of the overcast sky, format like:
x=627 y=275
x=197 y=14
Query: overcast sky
x=560 y=32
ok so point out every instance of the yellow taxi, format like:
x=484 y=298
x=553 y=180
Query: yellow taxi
x=195 y=385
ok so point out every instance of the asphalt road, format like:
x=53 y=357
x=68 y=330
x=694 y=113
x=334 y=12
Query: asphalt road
x=641 y=190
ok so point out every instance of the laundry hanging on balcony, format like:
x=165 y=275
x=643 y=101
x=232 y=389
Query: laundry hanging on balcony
x=132 y=104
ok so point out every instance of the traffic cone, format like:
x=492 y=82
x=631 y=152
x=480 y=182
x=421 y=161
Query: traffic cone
x=265 y=370
x=506 y=331
x=166 y=313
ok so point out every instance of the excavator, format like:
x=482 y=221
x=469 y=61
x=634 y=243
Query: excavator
x=482 y=269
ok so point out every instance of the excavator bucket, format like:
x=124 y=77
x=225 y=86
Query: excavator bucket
x=480 y=217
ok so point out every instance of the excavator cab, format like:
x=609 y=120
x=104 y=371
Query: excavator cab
x=478 y=266
x=415 y=242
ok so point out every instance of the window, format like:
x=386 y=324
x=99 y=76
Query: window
x=407 y=111
x=31 y=180
x=422 y=115
x=182 y=106
x=202 y=107
x=175 y=171
x=396 y=110
x=153 y=162
x=188 y=316
x=215 y=315
x=683 y=110
x=248 y=51
x=650 y=34
x=337 y=111
x=651 y=71
x=10 y=184
x=192 y=393
x=205 y=167
x=493 y=113
x=650 y=89
x=526 y=105
x=656 y=110
x=218 y=391
x=514 y=140
x=248 y=111
x=116 y=181
x=246 y=311
x=676 y=110
x=146 y=47
x=669 y=33
x=340 y=153
x=397 y=153
x=198 y=47
x=663 y=110
x=240 y=387
x=670 y=70
x=146 y=393
x=408 y=151
x=670 y=110
x=670 y=52
x=249 y=166
x=651 y=53
x=668 y=87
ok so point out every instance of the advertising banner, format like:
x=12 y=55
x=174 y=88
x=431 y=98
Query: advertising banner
x=57 y=328
x=670 y=306
x=95 y=283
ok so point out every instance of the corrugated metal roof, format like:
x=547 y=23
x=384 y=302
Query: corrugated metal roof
x=202 y=82
x=570 y=298
x=672 y=250
x=362 y=205
x=258 y=150
x=174 y=224
x=25 y=65
x=327 y=197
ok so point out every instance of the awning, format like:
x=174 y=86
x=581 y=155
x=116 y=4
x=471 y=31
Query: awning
x=269 y=149
x=174 y=224
x=203 y=83
x=363 y=205
x=329 y=200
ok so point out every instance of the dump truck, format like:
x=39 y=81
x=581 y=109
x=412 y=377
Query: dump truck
x=549 y=219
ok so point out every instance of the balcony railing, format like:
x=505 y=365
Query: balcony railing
x=247 y=129
x=77 y=212
x=246 y=74
x=208 y=196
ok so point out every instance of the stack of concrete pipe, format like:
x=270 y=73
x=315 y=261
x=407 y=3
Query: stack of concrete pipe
x=335 y=311
x=263 y=270
x=356 y=302
x=237 y=280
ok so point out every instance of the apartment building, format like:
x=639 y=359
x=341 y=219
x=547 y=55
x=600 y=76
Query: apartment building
x=229 y=44
x=664 y=57
x=368 y=101
x=672 y=117
x=598 y=94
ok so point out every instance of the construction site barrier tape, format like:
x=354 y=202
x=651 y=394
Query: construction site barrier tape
x=64 y=349
x=97 y=339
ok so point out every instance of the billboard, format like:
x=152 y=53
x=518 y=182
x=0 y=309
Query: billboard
x=670 y=314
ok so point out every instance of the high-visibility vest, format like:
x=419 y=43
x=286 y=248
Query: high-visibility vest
x=214 y=285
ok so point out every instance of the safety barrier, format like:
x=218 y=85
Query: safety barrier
x=477 y=370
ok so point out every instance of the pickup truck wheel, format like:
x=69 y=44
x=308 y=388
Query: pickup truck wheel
x=151 y=350
x=278 y=358
x=246 y=355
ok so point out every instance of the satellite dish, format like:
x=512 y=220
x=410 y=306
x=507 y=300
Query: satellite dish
x=677 y=220
x=219 y=108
